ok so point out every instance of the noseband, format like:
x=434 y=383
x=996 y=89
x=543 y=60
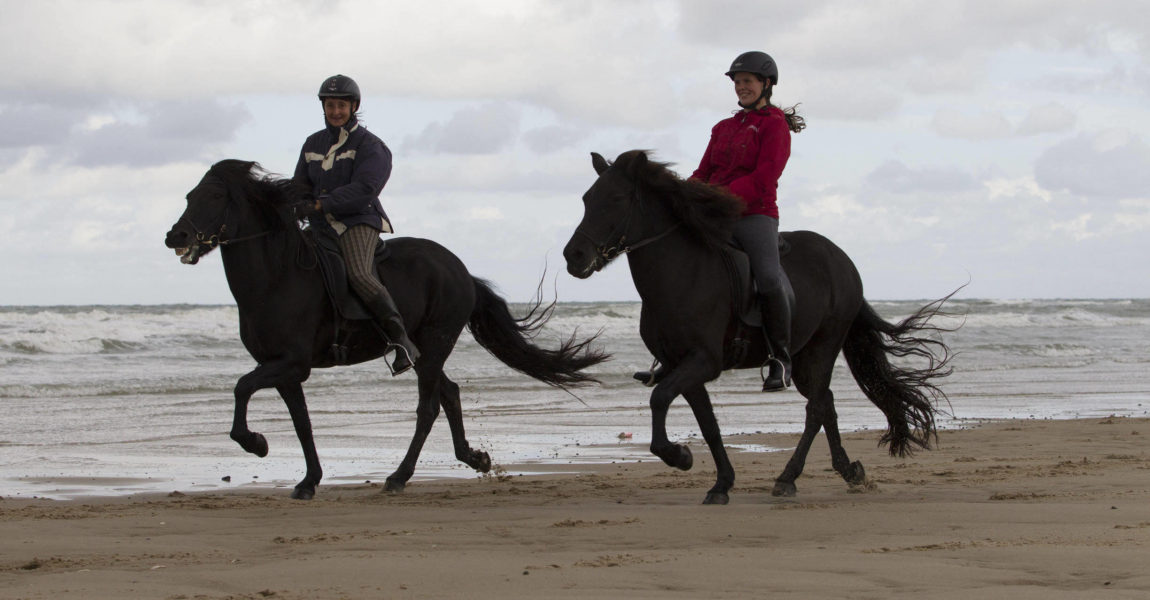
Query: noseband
x=609 y=252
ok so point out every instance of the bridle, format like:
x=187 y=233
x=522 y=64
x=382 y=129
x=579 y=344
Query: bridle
x=217 y=238
x=612 y=251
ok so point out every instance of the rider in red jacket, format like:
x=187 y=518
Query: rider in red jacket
x=747 y=154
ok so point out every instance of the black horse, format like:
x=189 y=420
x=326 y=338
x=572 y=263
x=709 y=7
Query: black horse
x=289 y=325
x=676 y=236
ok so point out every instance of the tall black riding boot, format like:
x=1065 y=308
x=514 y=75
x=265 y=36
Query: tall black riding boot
x=776 y=313
x=387 y=316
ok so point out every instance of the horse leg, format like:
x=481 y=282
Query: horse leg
x=851 y=472
x=297 y=407
x=785 y=484
x=425 y=415
x=700 y=402
x=675 y=383
x=449 y=400
x=262 y=377
x=812 y=375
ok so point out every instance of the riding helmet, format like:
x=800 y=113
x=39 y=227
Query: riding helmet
x=759 y=63
x=339 y=86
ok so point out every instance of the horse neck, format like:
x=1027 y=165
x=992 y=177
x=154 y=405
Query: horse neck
x=666 y=268
x=259 y=269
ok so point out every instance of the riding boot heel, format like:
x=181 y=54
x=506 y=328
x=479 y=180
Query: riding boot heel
x=776 y=314
x=390 y=323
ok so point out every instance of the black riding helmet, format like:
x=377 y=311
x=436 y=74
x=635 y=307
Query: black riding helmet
x=340 y=86
x=759 y=63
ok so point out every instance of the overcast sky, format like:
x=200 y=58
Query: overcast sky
x=1004 y=142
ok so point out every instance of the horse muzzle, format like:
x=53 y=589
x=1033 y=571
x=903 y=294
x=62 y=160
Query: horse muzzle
x=185 y=246
x=582 y=262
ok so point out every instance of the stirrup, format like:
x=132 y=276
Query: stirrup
x=651 y=377
x=775 y=384
x=402 y=361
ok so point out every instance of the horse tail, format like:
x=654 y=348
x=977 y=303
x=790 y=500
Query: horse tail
x=510 y=340
x=907 y=396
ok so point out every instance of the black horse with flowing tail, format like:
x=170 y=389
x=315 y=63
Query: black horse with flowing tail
x=675 y=234
x=289 y=325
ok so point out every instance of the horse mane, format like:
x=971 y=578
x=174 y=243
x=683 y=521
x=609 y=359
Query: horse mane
x=708 y=211
x=267 y=191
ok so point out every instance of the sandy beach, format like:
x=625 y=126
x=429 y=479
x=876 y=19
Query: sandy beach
x=1020 y=509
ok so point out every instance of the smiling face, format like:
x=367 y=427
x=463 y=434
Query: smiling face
x=337 y=111
x=749 y=88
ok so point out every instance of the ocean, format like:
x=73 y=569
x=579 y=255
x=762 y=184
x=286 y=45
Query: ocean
x=112 y=400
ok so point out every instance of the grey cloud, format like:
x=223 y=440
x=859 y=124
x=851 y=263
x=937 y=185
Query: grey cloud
x=700 y=20
x=168 y=132
x=894 y=176
x=23 y=125
x=1112 y=164
x=163 y=132
x=485 y=129
x=951 y=123
x=1048 y=118
x=988 y=125
x=545 y=140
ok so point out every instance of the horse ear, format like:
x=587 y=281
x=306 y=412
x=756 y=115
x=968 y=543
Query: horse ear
x=599 y=163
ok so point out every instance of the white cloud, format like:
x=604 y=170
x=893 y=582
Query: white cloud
x=1007 y=188
x=1077 y=228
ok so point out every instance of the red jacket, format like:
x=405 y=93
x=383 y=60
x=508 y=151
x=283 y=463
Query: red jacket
x=747 y=154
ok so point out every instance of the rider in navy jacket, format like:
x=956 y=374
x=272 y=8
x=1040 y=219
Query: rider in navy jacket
x=346 y=167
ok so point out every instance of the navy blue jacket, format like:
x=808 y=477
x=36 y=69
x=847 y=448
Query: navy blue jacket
x=347 y=176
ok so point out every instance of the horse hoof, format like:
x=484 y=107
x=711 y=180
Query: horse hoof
x=855 y=474
x=785 y=489
x=303 y=492
x=482 y=462
x=686 y=459
x=255 y=444
x=716 y=498
x=393 y=486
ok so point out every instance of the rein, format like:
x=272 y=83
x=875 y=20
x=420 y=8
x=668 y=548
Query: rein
x=217 y=238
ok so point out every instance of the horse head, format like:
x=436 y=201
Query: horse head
x=213 y=212
x=608 y=206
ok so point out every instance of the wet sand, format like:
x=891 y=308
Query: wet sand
x=1018 y=509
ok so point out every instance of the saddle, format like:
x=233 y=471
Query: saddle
x=346 y=303
x=744 y=298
